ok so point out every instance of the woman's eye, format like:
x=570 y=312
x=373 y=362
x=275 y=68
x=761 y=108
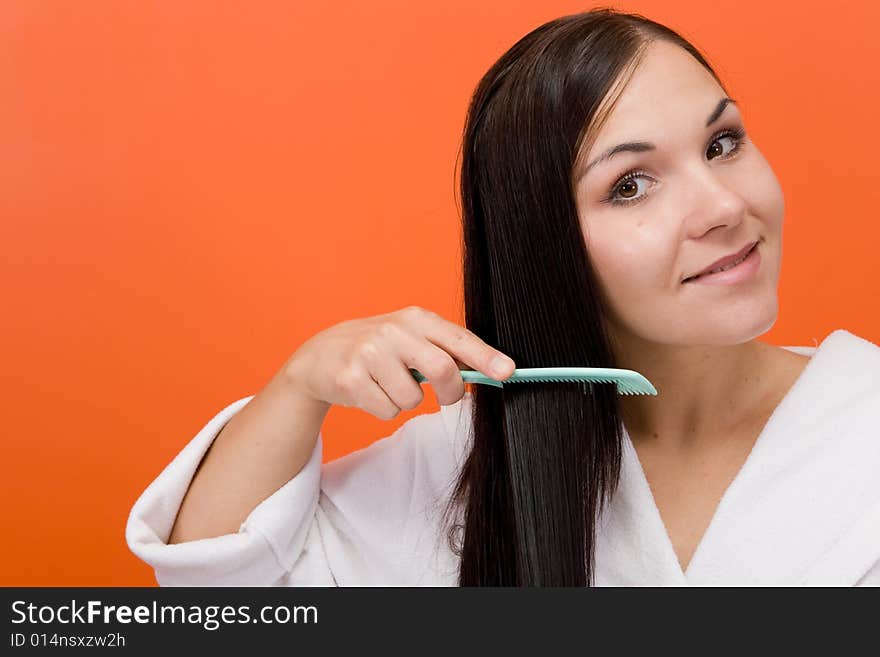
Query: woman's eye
x=732 y=138
x=627 y=191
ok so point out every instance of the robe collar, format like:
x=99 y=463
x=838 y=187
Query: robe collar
x=804 y=509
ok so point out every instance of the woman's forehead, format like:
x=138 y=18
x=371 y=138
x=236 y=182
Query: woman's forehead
x=667 y=92
x=667 y=81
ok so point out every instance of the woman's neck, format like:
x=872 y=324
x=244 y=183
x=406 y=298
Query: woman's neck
x=705 y=392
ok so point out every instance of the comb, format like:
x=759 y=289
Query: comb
x=628 y=382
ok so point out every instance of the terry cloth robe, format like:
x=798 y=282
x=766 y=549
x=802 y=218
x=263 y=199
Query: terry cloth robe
x=803 y=510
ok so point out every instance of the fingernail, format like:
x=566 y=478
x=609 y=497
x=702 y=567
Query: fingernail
x=501 y=365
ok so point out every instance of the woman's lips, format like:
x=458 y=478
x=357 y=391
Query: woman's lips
x=721 y=262
x=741 y=272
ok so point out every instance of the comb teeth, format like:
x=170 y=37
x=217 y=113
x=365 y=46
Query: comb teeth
x=532 y=379
x=622 y=387
x=628 y=382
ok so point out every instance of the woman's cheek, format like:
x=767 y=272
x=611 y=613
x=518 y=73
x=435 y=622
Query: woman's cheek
x=761 y=188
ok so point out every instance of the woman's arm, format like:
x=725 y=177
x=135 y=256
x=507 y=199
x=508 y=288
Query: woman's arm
x=262 y=447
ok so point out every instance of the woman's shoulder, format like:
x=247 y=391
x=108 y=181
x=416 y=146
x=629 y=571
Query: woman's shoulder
x=830 y=419
x=840 y=378
x=825 y=447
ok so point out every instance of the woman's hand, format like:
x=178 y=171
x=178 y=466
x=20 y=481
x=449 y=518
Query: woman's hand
x=365 y=363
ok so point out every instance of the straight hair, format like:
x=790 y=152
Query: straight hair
x=545 y=458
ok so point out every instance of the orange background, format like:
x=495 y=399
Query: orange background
x=192 y=189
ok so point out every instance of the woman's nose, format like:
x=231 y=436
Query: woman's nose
x=714 y=199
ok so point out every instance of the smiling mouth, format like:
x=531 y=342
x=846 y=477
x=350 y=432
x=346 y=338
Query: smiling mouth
x=738 y=262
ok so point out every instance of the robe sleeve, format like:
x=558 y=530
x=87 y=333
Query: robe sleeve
x=348 y=522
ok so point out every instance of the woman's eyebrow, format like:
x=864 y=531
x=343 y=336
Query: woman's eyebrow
x=641 y=146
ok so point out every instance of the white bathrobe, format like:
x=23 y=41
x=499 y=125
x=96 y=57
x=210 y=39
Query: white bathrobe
x=803 y=510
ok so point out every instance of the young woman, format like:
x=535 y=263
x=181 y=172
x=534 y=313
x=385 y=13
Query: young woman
x=615 y=215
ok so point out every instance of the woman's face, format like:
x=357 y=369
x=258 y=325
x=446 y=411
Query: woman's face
x=701 y=194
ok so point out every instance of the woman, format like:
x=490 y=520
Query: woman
x=606 y=176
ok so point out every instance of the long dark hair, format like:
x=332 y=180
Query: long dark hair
x=545 y=458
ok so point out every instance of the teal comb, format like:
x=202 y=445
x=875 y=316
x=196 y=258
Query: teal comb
x=628 y=382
